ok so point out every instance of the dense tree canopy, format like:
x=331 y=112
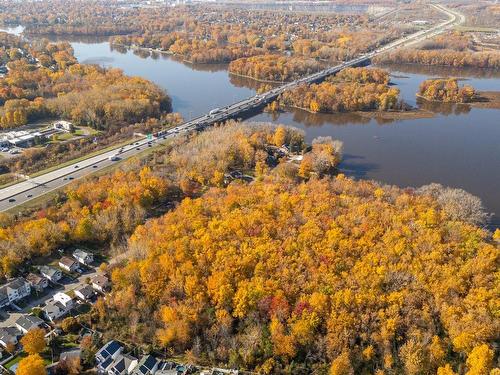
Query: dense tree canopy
x=44 y=79
x=446 y=90
x=286 y=277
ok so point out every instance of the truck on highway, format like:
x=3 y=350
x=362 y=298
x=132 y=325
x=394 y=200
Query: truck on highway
x=114 y=157
x=214 y=111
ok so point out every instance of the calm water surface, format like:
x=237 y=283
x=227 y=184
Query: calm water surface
x=460 y=147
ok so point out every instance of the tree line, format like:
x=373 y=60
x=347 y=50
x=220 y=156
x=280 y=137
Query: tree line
x=446 y=90
x=353 y=89
x=45 y=80
x=273 y=67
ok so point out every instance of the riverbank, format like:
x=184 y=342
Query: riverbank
x=487 y=100
x=484 y=99
x=412 y=114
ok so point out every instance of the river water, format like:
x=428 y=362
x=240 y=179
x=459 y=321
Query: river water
x=459 y=147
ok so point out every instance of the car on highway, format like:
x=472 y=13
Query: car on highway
x=76 y=166
x=114 y=157
x=12 y=200
x=29 y=195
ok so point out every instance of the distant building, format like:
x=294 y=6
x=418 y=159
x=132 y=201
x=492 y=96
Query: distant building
x=83 y=257
x=64 y=126
x=14 y=290
x=68 y=264
x=26 y=323
x=51 y=273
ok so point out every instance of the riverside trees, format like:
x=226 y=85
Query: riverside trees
x=45 y=80
x=446 y=90
x=353 y=89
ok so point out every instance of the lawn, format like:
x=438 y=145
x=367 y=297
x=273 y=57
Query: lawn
x=14 y=361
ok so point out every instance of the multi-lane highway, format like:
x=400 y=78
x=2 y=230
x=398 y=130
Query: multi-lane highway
x=24 y=191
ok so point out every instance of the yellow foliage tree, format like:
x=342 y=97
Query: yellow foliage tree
x=34 y=341
x=480 y=360
x=31 y=365
x=341 y=365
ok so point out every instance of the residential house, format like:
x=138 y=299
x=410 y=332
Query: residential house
x=83 y=257
x=63 y=125
x=9 y=335
x=14 y=290
x=51 y=273
x=101 y=283
x=26 y=323
x=123 y=364
x=38 y=283
x=68 y=264
x=167 y=368
x=85 y=292
x=66 y=300
x=146 y=366
x=106 y=356
x=54 y=310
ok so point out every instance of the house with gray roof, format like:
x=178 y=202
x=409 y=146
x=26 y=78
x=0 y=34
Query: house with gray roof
x=26 y=323
x=52 y=273
x=83 y=257
x=9 y=335
x=146 y=366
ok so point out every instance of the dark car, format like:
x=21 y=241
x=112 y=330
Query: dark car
x=12 y=200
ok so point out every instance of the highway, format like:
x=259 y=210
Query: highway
x=32 y=188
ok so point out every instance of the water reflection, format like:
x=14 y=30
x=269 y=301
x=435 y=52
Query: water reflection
x=442 y=71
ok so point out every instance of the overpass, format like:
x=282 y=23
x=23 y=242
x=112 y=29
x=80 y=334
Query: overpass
x=32 y=188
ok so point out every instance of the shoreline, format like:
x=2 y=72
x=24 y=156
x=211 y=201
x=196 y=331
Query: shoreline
x=387 y=115
x=486 y=100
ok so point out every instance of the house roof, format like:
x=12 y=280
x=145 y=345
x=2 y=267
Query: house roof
x=109 y=349
x=122 y=363
x=17 y=283
x=48 y=270
x=100 y=280
x=29 y=322
x=81 y=253
x=9 y=334
x=35 y=279
x=86 y=291
x=145 y=365
x=68 y=262
x=53 y=307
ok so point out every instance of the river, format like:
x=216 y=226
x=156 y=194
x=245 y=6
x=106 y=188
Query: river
x=459 y=147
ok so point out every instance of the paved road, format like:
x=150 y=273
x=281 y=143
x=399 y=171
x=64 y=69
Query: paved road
x=22 y=192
